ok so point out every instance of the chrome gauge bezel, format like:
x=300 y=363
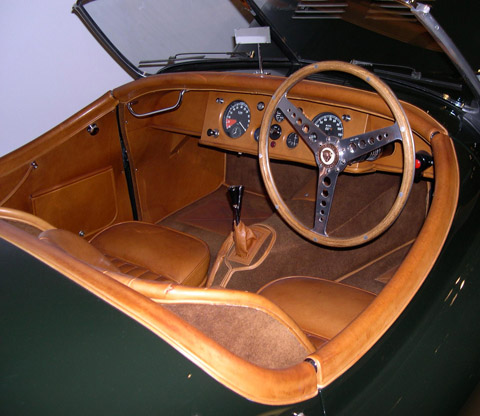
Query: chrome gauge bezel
x=240 y=127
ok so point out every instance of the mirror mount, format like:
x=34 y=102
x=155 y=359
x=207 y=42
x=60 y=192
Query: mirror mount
x=254 y=35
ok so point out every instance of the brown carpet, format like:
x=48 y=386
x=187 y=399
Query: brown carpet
x=360 y=201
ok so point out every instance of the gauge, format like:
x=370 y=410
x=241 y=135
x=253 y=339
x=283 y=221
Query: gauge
x=279 y=116
x=236 y=119
x=292 y=140
x=330 y=124
x=275 y=131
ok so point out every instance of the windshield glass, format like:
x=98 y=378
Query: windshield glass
x=152 y=30
x=152 y=34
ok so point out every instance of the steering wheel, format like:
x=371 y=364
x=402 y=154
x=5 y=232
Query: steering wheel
x=333 y=155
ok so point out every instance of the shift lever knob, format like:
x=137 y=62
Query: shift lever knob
x=236 y=194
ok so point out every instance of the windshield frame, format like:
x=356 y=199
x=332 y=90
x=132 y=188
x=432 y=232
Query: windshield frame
x=105 y=42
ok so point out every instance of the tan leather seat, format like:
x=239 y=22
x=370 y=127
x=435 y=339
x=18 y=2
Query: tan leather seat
x=320 y=307
x=140 y=250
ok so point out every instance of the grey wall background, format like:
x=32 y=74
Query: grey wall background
x=51 y=67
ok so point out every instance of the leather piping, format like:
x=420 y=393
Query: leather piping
x=345 y=97
x=346 y=276
x=58 y=135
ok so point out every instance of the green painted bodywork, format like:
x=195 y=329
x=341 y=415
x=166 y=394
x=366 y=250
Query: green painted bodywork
x=64 y=351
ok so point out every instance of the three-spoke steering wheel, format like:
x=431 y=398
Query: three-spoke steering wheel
x=333 y=155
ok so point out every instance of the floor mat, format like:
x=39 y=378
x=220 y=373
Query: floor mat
x=383 y=268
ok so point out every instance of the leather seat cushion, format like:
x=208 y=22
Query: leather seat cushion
x=78 y=248
x=134 y=270
x=160 y=250
x=320 y=307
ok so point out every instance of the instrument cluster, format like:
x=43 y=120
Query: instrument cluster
x=237 y=117
x=232 y=121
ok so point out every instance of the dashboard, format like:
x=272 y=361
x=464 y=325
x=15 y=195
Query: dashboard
x=232 y=122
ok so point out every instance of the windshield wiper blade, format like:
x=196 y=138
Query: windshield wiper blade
x=410 y=74
x=191 y=56
x=413 y=73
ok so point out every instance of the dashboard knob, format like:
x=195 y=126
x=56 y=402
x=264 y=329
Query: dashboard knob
x=423 y=161
x=213 y=132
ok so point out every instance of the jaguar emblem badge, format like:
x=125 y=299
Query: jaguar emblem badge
x=328 y=155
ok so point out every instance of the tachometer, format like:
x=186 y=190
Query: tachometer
x=330 y=124
x=236 y=119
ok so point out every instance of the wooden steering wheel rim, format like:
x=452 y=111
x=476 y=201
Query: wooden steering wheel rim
x=407 y=143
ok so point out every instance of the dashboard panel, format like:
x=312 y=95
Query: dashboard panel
x=232 y=122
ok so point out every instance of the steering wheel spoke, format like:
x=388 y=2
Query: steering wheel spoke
x=304 y=127
x=357 y=146
x=325 y=190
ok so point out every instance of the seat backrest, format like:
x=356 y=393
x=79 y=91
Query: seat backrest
x=245 y=323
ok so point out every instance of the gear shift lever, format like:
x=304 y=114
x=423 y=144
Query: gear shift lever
x=243 y=236
x=236 y=195
x=246 y=241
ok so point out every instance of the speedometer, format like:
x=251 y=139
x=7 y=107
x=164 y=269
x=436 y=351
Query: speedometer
x=236 y=119
x=330 y=124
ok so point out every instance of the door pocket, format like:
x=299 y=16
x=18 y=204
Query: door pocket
x=85 y=205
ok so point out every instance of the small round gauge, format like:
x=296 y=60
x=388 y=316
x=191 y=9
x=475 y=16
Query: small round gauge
x=275 y=131
x=330 y=124
x=236 y=119
x=292 y=140
x=279 y=116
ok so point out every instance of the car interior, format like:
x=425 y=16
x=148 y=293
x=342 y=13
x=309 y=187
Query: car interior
x=155 y=199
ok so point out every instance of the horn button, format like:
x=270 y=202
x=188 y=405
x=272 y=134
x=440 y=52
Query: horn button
x=328 y=155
